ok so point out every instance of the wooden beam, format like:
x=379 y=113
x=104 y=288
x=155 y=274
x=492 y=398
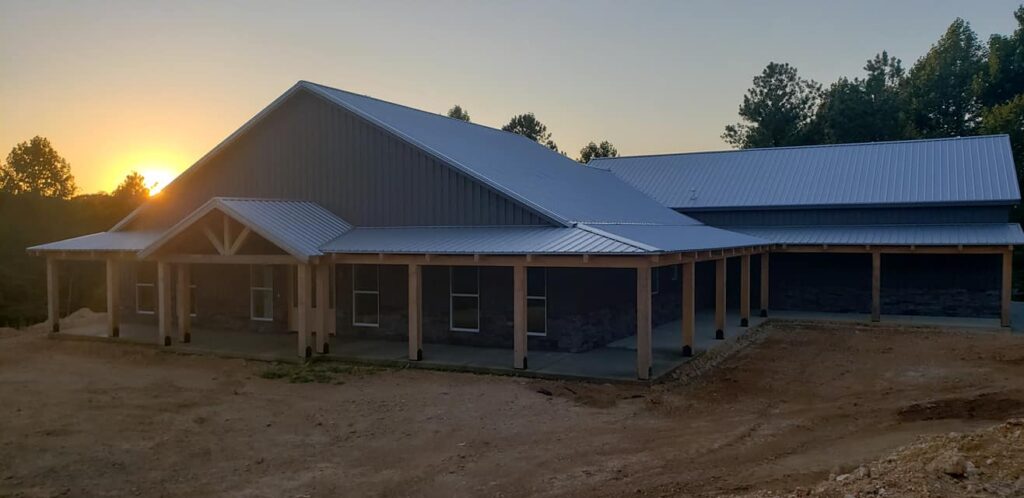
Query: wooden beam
x=689 y=310
x=163 y=284
x=1007 y=289
x=519 y=316
x=415 y=312
x=876 y=286
x=323 y=310
x=643 y=323
x=567 y=261
x=720 y=283
x=745 y=290
x=113 y=304
x=214 y=241
x=237 y=244
x=764 y=285
x=52 y=295
x=292 y=304
x=184 y=288
x=302 y=321
x=227 y=234
x=237 y=259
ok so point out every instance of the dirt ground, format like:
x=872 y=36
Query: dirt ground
x=802 y=404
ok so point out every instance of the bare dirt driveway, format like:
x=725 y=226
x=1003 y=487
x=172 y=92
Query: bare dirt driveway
x=802 y=400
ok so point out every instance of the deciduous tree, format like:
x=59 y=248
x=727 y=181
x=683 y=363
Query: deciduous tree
x=35 y=167
x=528 y=126
x=458 y=112
x=592 y=150
x=940 y=87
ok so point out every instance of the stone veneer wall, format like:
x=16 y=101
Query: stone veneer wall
x=966 y=285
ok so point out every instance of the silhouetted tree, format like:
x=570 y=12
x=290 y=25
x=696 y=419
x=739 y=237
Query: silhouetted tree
x=35 y=167
x=528 y=126
x=866 y=110
x=133 y=186
x=940 y=87
x=1002 y=77
x=458 y=112
x=778 y=110
x=592 y=150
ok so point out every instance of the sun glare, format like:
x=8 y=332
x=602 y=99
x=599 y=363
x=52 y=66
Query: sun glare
x=156 y=178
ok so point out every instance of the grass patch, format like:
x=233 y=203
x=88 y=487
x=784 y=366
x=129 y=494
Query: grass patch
x=314 y=372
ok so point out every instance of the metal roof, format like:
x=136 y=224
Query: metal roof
x=522 y=169
x=922 y=235
x=102 y=241
x=936 y=171
x=584 y=239
x=478 y=240
x=297 y=227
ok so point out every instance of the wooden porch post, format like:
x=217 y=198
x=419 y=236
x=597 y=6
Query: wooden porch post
x=302 y=318
x=1007 y=288
x=290 y=288
x=689 y=319
x=643 y=322
x=720 y=298
x=323 y=309
x=163 y=305
x=113 y=304
x=184 y=303
x=519 y=315
x=52 y=295
x=745 y=290
x=876 y=286
x=415 y=312
x=764 y=284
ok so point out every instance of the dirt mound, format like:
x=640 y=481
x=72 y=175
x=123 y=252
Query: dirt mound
x=988 y=406
x=989 y=462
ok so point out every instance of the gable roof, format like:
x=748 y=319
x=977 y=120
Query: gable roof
x=972 y=234
x=968 y=170
x=518 y=167
x=297 y=227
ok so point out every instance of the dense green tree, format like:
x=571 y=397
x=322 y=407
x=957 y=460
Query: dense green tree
x=35 y=167
x=1008 y=118
x=528 y=126
x=592 y=150
x=940 y=87
x=458 y=112
x=778 y=110
x=133 y=186
x=866 y=110
x=1002 y=77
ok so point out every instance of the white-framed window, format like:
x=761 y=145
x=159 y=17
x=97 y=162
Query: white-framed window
x=464 y=298
x=537 y=301
x=655 y=280
x=366 y=295
x=261 y=293
x=145 y=289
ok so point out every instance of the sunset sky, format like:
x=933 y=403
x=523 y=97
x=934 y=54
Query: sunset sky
x=118 y=86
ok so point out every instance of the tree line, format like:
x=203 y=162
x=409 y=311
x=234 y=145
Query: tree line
x=960 y=87
x=39 y=203
x=530 y=127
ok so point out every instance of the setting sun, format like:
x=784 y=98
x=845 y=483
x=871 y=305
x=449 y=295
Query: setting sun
x=156 y=178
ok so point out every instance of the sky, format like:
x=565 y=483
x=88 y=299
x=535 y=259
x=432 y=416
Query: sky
x=152 y=86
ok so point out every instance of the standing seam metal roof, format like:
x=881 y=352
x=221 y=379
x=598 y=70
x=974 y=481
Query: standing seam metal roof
x=532 y=174
x=934 y=171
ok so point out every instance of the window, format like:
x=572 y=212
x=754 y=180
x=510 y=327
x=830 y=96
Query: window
x=536 y=301
x=465 y=298
x=655 y=280
x=261 y=293
x=366 y=295
x=193 y=301
x=145 y=289
x=675 y=273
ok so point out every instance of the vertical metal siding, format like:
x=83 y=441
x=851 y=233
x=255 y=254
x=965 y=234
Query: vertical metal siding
x=310 y=150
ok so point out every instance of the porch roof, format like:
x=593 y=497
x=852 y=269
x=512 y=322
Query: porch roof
x=922 y=235
x=101 y=242
x=297 y=227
